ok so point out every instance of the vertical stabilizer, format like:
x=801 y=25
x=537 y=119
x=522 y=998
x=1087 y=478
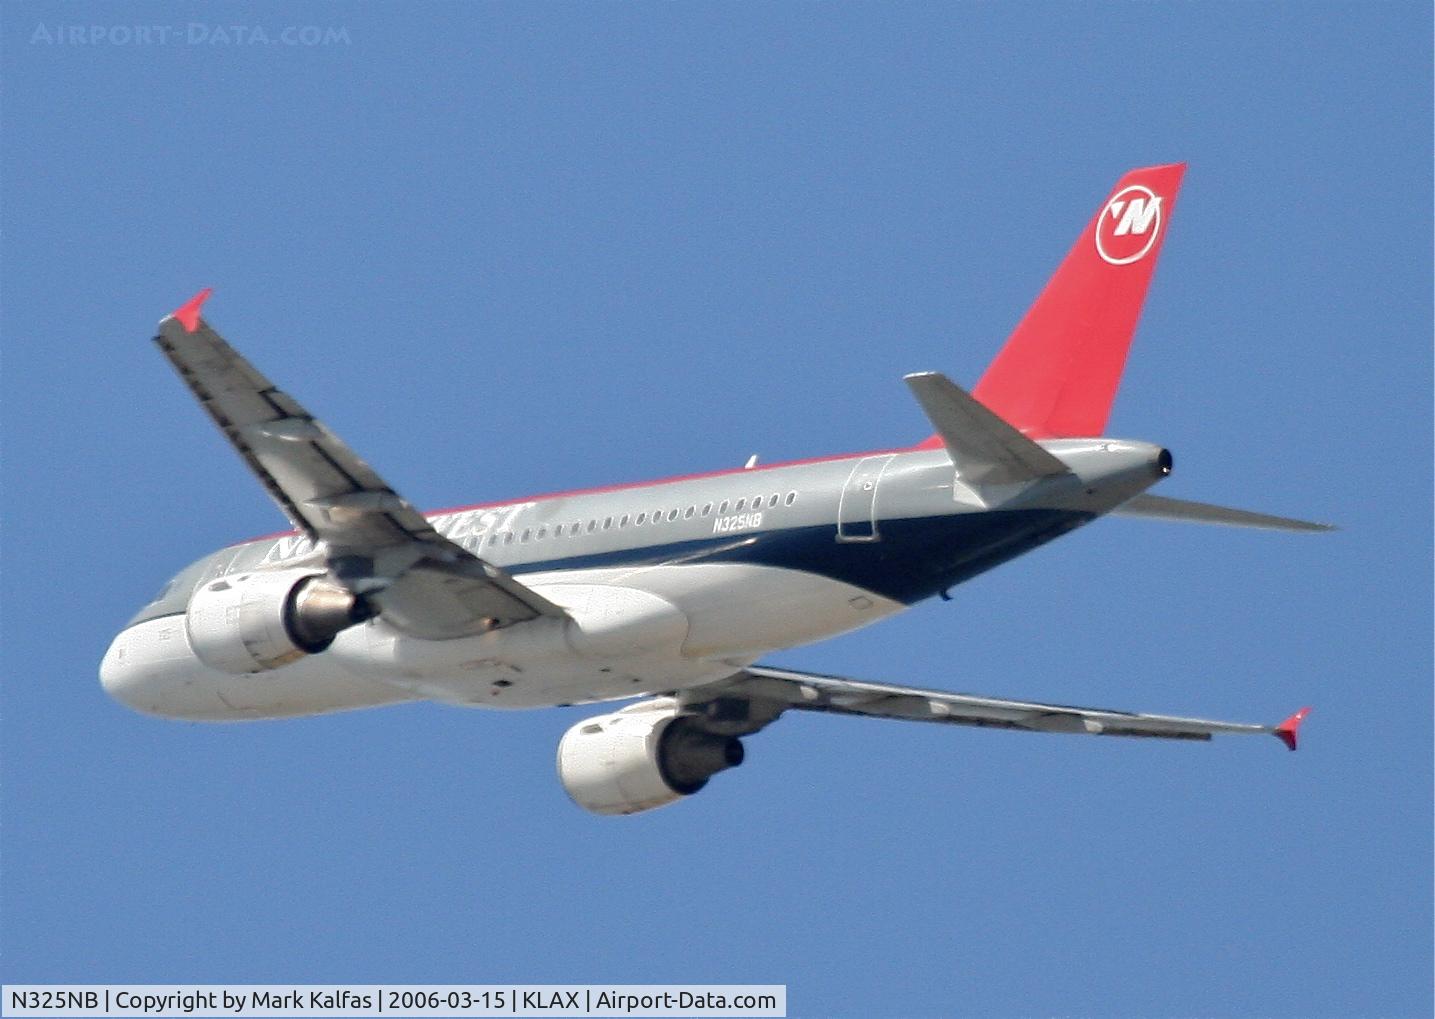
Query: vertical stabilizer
x=1058 y=373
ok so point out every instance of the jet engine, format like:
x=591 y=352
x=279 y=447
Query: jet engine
x=253 y=622
x=645 y=756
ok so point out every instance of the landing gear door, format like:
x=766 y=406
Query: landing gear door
x=857 y=512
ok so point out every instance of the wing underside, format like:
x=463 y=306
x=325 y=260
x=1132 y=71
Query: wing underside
x=752 y=698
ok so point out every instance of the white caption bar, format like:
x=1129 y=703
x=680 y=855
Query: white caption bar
x=241 y=1001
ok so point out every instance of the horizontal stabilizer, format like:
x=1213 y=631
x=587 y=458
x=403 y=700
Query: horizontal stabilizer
x=1159 y=508
x=985 y=449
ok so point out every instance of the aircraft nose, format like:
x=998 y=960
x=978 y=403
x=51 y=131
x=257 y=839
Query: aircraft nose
x=120 y=674
x=149 y=667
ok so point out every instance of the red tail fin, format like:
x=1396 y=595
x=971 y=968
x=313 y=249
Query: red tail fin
x=1058 y=373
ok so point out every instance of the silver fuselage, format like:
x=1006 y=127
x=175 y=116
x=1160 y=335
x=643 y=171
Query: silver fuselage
x=670 y=584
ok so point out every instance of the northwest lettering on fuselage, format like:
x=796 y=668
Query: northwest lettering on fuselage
x=470 y=527
x=458 y=527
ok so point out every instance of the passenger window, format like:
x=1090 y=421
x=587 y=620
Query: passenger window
x=508 y=538
x=707 y=510
x=723 y=508
x=688 y=513
x=526 y=532
x=641 y=517
x=740 y=504
x=771 y=501
x=672 y=514
x=791 y=498
x=608 y=523
x=592 y=526
x=623 y=520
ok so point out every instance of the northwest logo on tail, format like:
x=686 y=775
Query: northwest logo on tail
x=1129 y=225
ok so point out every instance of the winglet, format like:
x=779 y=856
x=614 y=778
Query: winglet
x=187 y=314
x=1286 y=731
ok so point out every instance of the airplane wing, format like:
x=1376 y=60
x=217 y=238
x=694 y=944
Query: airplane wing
x=750 y=699
x=376 y=542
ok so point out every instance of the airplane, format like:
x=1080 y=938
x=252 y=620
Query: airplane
x=672 y=590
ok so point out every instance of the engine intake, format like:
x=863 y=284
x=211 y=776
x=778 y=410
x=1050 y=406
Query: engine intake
x=642 y=757
x=254 y=622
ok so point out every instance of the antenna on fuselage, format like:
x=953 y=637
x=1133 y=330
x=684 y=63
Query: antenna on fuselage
x=751 y=463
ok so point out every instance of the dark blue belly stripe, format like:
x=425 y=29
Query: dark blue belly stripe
x=914 y=559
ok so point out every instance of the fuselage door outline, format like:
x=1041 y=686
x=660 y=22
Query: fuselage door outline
x=857 y=511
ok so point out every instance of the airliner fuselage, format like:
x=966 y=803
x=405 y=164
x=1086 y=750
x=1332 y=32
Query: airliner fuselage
x=668 y=585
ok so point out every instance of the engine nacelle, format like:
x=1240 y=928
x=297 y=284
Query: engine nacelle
x=645 y=756
x=252 y=622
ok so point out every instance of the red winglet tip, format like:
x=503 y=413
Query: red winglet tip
x=1287 y=730
x=187 y=314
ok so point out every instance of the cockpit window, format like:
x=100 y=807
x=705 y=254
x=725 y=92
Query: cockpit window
x=172 y=597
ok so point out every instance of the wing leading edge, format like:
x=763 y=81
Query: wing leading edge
x=767 y=693
x=374 y=540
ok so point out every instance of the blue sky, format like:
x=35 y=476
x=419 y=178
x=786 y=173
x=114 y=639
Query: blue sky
x=506 y=249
